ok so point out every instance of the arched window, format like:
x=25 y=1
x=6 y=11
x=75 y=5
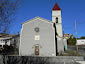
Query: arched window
x=56 y=20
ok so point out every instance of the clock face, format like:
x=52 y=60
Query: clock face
x=36 y=29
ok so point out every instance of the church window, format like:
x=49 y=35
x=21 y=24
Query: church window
x=56 y=20
x=36 y=29
x=37 y=37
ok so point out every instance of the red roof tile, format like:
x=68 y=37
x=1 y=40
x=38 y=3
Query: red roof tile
x=56 y=7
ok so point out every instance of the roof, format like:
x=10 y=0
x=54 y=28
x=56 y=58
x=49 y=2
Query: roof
x=68 y=34
x=3 y=34
x=56 y=7
x=11 y=35
x=7 y=35
x=38 y=18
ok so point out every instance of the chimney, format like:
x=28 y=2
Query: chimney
x=17 y=33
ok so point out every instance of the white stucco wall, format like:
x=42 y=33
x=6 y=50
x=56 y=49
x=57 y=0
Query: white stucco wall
x=65 y=43
x=60 y=44
x=57 y=13
x=80 y=42
x=46 y=42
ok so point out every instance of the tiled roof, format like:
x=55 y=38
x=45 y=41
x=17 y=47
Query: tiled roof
x=56 y=7
x=6 y=35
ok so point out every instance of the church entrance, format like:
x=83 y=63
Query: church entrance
x=36 y=50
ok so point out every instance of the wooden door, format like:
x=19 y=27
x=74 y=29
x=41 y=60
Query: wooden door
x=36 y=50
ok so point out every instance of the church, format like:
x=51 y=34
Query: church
x=41 y=37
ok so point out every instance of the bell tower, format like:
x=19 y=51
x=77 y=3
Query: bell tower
x=56 y=18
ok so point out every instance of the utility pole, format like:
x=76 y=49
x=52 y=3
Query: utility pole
x=76 y=35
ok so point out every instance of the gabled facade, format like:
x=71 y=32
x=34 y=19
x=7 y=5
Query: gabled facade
x=37 y=38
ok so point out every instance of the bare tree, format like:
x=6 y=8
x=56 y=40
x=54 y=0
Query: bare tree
x=7 y=9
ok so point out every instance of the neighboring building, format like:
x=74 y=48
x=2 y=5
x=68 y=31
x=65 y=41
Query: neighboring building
x=67 y=36
x=42 y=37
x=6 y=39
x=80 y=42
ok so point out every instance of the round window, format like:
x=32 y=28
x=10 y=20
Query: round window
x=36 y=29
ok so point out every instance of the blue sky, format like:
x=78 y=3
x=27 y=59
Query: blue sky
x=72 y=10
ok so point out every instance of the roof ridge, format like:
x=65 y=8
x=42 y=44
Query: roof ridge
x=37 y=17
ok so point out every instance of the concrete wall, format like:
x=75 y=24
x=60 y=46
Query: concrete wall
x=65 y=43
x=1 y=59
x=46 y=42
x=40 y=60
x=43 y=60
x=60 y=45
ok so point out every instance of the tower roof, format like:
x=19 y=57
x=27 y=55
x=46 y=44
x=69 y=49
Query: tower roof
x=56 y=7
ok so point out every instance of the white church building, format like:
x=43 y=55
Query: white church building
x=42 y=37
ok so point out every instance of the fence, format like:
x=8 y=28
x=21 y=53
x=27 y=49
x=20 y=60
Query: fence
x=81 y=49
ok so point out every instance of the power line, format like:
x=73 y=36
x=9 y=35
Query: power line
x=80 y=22
x=79 y=2
x=70 y=30
x=69 y=27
